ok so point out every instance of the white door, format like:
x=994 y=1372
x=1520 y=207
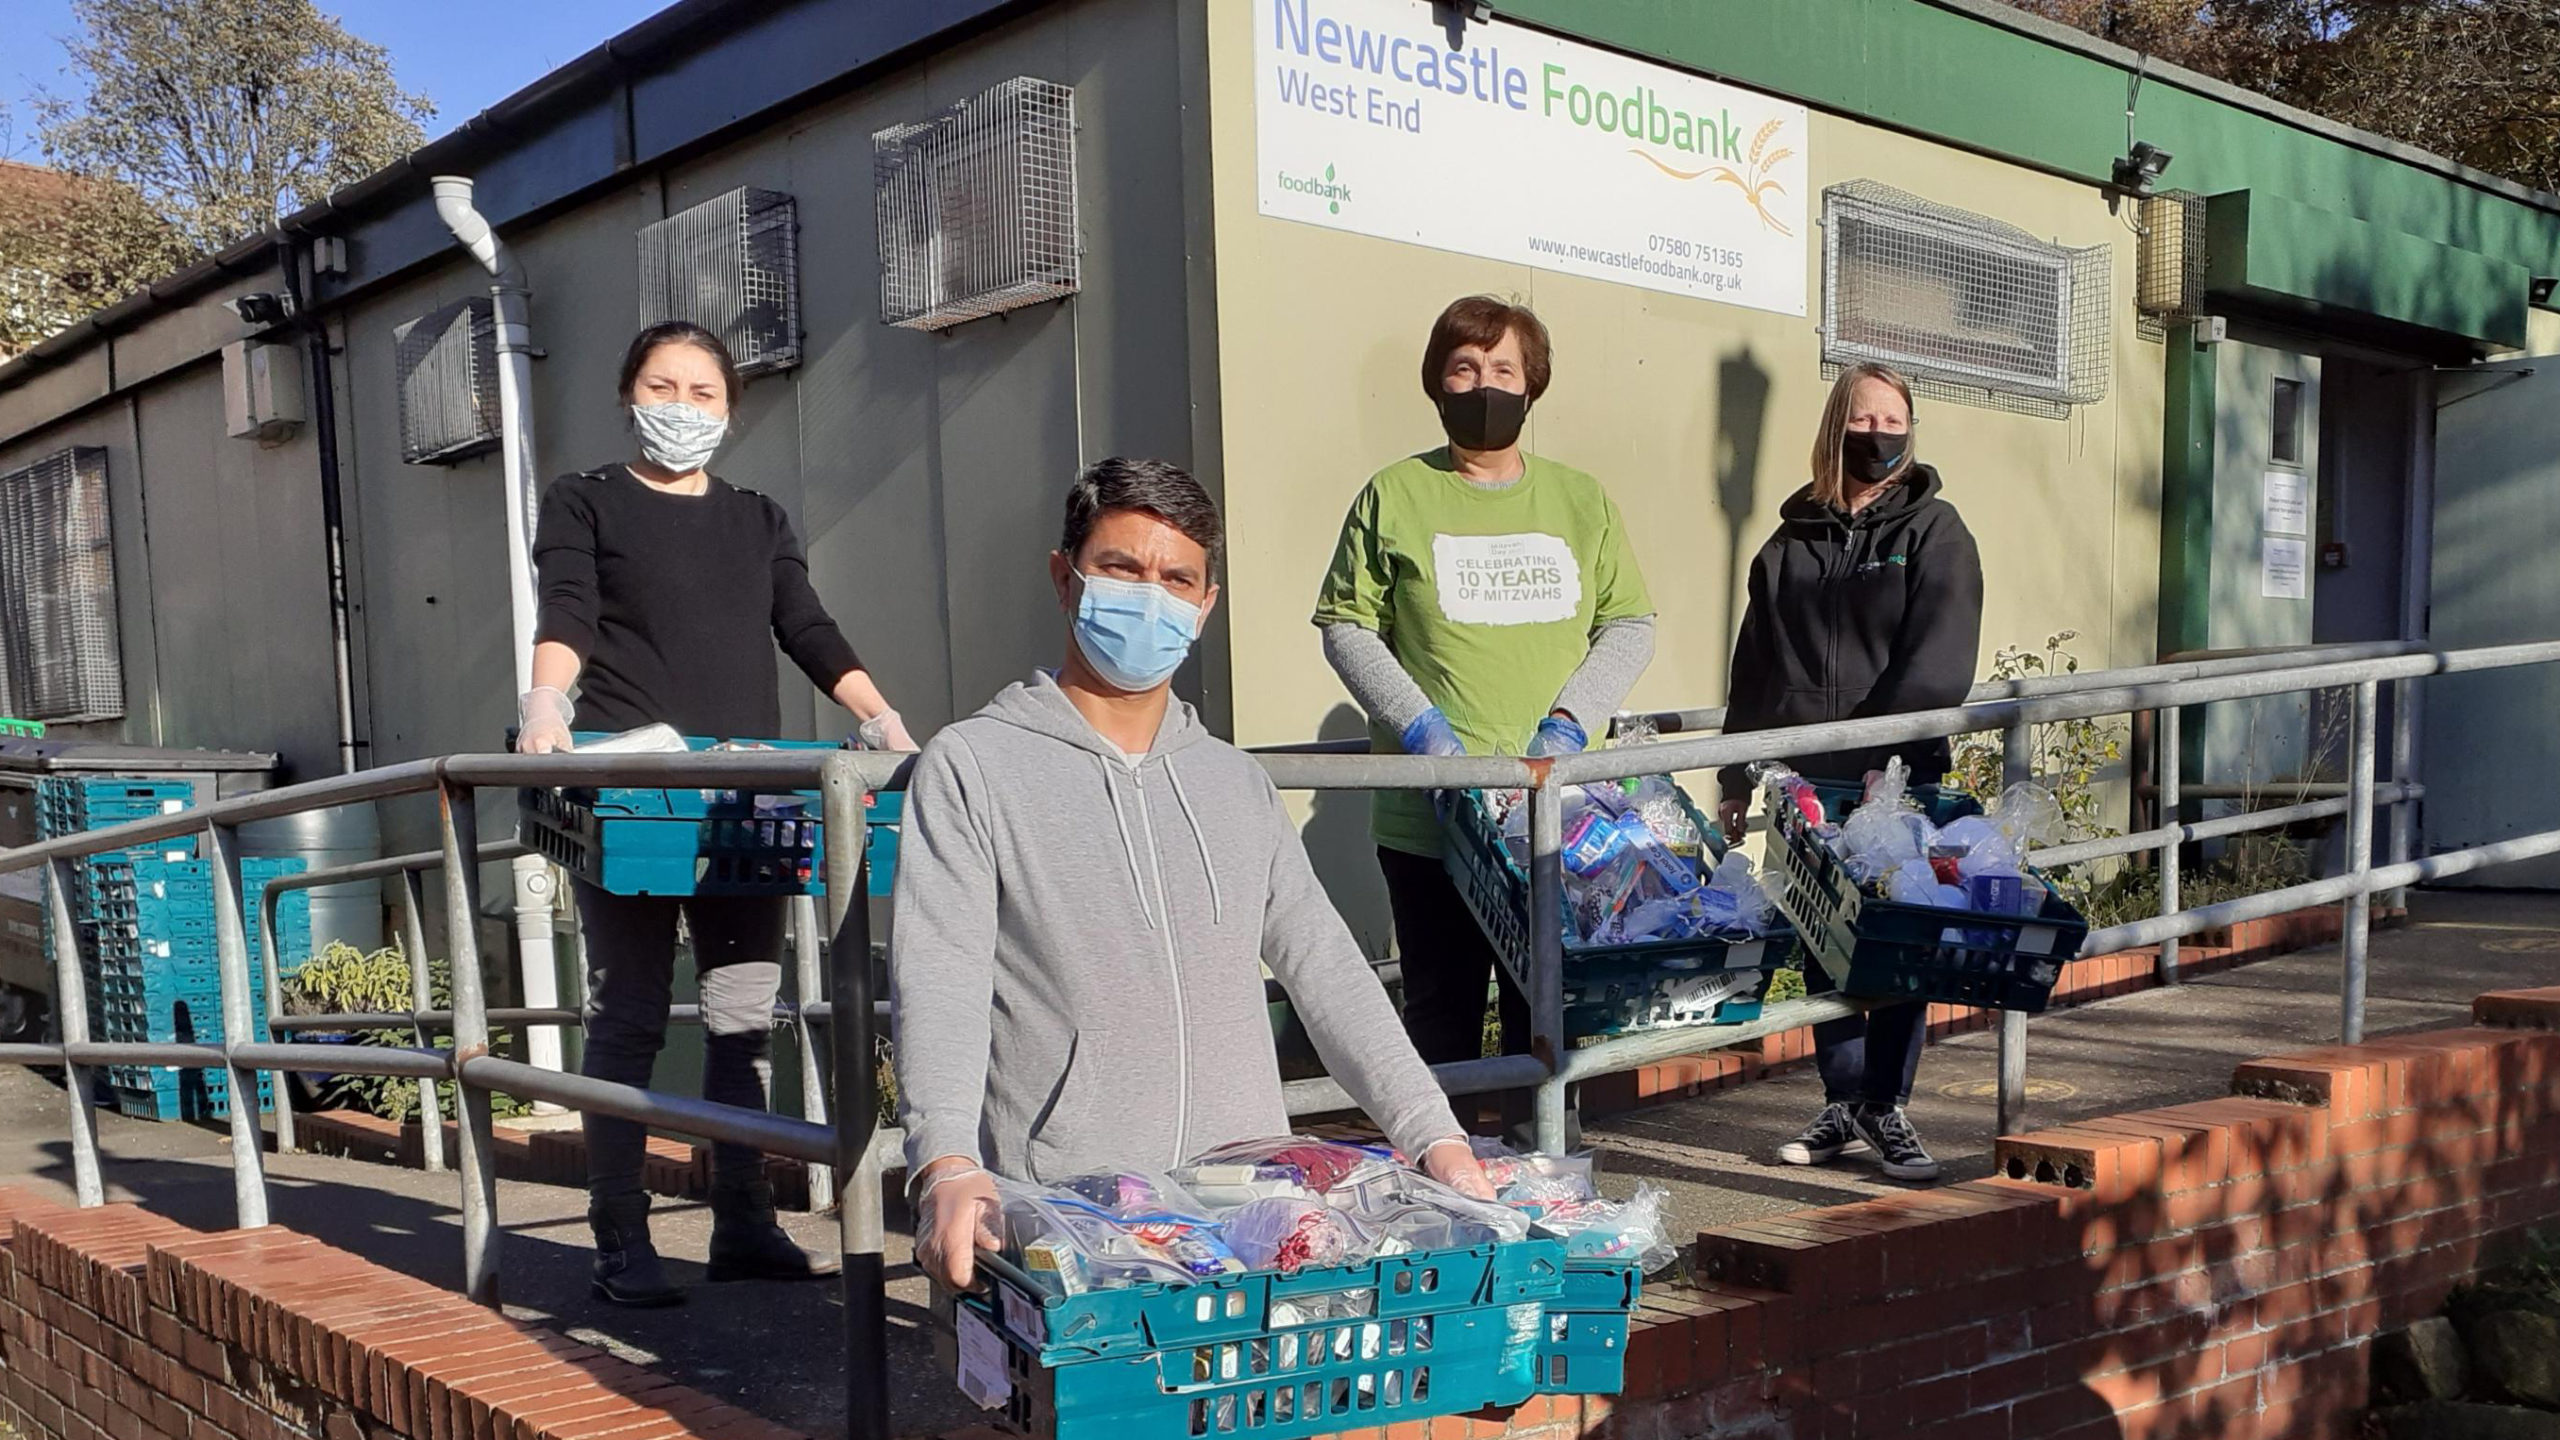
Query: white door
x=2490 y=742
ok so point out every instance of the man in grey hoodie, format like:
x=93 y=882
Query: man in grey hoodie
x=1089 y=885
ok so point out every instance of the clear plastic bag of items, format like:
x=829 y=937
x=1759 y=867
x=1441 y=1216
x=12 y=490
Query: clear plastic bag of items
x=1558 y=1195
x=1106 y=1231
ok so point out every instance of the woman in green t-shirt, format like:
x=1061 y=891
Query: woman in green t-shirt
x=1481 y=600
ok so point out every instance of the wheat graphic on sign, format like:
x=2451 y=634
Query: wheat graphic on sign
x=1753 y=180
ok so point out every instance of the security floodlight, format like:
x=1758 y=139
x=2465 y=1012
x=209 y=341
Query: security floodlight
x=2141 y=168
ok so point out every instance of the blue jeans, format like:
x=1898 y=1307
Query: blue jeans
x=1870 y=1058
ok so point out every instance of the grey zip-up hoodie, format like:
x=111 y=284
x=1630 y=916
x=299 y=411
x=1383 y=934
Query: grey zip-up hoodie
x=1077 y=966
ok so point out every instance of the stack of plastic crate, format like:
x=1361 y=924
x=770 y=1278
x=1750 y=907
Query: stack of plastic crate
x=146 y=919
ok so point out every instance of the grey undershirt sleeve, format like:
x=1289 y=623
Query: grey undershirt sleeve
x=1600 y=683
x=1377 y=683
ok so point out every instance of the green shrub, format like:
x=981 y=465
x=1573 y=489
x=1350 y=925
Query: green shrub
x=342 y=980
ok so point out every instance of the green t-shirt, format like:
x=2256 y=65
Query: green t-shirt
x=1488 y=598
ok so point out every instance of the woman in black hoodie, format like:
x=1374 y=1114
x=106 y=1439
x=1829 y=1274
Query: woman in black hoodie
x=1868 y=601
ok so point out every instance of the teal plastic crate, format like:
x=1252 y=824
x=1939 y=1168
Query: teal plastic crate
x=1399 y=1339
x=1496 y=890
x=1627 y=996
x=638 y=841
x=163 y=1093
x=1584 y=1350
x=1881 y=949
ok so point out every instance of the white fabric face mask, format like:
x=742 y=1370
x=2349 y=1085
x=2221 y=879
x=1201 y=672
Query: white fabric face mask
x=678 y=436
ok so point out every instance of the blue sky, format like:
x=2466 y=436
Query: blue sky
x=441 y=47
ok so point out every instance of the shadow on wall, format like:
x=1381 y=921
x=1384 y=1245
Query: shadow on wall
x=1338 y=844
x=1742 y=413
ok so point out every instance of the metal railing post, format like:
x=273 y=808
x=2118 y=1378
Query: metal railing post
x=71 y=1017
x=806 y=954
x=1546 y=955
x=271 y=1000
x=2017 y=766
x=861 y=1229
x=422 y=998
x=2359 y=916
x=460 y=825
x=2169 y=743
x=2404 y=760
x=239 y=1025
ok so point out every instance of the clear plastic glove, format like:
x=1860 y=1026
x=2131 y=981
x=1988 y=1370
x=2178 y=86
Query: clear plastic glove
x=1453 y=1163
x=885 y=731
x=1431 y=734
x=1558 y=735
x=1732 y=818
x=542 y=721
x=956 y=1217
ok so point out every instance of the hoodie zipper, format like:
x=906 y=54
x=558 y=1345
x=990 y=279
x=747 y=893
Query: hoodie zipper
x=1173 y=976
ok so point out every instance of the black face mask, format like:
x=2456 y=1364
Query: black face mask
x=1485 y=418
x=1870 y=455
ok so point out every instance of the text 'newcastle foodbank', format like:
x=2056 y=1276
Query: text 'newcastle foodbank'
x=1419 y=66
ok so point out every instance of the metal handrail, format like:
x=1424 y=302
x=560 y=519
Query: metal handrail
x=858 y=1151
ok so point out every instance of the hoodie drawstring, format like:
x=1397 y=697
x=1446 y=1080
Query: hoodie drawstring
x=1217 y=908
x=1128 y=843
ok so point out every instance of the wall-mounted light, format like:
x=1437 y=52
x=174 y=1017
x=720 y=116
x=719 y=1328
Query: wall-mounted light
x=261 y=308
x=2542 y=290
x=2140 y=168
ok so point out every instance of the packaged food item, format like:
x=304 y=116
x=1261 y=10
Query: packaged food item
x=1057 y=1265
x=1320 y=1164
x=1288 y=1235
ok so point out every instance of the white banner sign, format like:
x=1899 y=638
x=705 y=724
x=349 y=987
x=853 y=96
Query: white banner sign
x=1526 y=148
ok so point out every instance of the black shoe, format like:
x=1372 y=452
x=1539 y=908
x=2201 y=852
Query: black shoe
x=1896 y=1143
x=1831 y=1133
x=748 y=1243
x=628 y=1271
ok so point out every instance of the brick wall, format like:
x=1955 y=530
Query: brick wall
x=120 y=1325
x=2213 y=1269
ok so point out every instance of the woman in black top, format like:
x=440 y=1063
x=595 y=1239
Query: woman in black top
x=664 y=592
x=1868 y=601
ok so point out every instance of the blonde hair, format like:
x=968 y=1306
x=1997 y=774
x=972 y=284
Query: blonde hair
x=1830 y=481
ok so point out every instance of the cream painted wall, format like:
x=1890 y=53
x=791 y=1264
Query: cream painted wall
x=1696 y=416
x=2541 y=332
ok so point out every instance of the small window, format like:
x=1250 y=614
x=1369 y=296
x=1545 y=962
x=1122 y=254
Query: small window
x=2284 y=424
x=61 y=658
x=1967 y=306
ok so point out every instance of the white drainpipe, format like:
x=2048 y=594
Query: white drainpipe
x=508 y=290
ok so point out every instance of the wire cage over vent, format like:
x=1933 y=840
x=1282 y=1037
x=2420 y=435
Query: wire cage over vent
x=977 y=207
x=732 y=266
x=2169 y=280
x=448 y=369
x=60 y=655
x=1968 y=307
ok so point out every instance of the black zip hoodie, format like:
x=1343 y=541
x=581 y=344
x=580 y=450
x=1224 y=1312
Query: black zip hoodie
x=1878 y=613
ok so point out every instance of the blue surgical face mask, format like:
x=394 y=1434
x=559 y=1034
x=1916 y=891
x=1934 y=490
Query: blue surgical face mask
x=1133 y=635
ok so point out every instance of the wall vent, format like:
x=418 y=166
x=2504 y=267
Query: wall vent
x=61 y=658
x=732 y=266
x=448 y=369
x=977 y=207
x=1966 y=306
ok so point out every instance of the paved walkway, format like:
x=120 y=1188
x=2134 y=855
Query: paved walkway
x=778 y=1350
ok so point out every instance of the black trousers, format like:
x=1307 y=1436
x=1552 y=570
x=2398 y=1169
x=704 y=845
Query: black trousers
x=1872 y=1057
x=1447 y=962
x=631 y=957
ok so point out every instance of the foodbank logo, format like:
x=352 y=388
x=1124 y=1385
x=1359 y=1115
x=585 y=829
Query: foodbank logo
x=1326 y=187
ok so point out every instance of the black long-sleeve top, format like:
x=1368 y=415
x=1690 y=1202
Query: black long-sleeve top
x=1877 y=613
x=669 y=600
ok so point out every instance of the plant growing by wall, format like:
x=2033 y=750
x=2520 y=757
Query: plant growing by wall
x=342 y=980
x=2069 y=757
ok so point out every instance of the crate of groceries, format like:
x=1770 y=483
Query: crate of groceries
x=1299 y=1286
x=1663 y=927
x=637 y=840
x=1919 y=894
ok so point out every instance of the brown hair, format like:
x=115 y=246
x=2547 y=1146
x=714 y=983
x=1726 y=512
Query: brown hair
x=1482 y=320
x=677 y=332
x=1830 y=481
x=1150 y=487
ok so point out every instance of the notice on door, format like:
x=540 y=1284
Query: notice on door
x=2284 y=570
x=2288 y=504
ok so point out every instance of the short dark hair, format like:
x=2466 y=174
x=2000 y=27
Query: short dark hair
x=1150 y=487
x=677 y=332
x=1483 y=320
